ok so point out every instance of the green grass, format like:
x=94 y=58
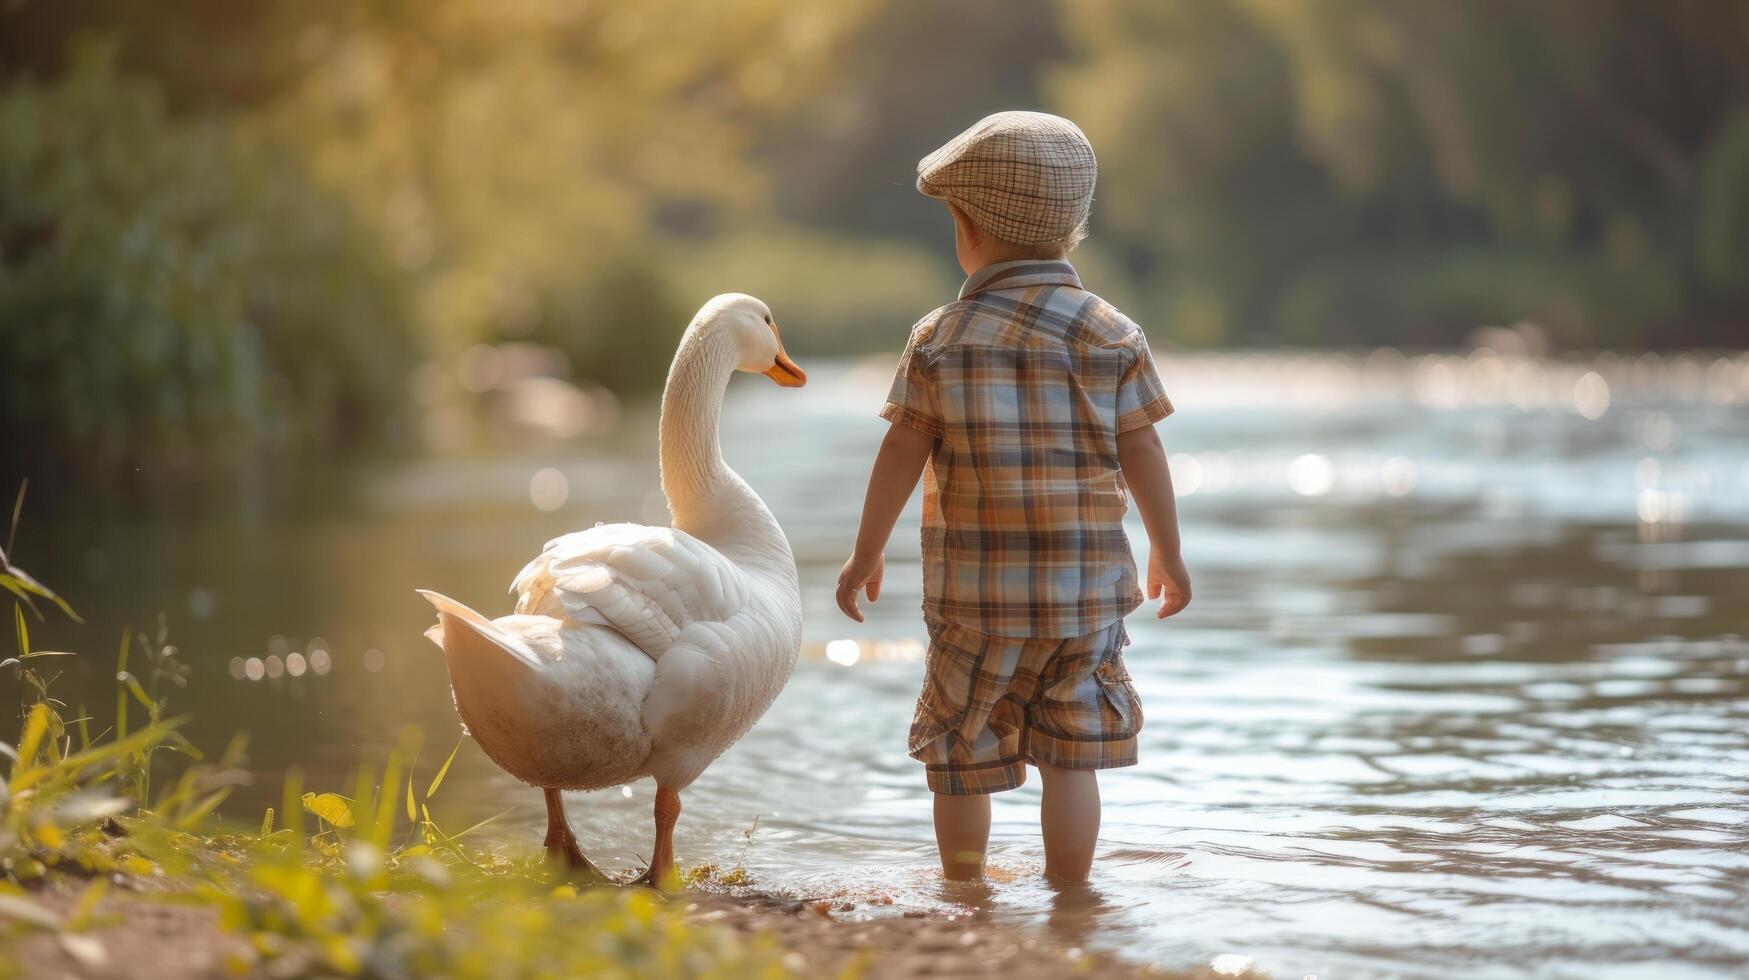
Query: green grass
x=359 y=884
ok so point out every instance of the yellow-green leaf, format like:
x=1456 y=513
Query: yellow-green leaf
x=20 y=583
x=482 y=823
x=383 y=826
x=138 y=866
x=49 y=836
x=36 y=725
x=332 y=807
x=437 y=780
x=79 y=918
x=341 y=954
x=132 y=683
x=192 y=817
x=293 y=814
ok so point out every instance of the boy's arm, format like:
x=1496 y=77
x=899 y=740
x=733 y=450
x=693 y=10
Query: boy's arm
x=1143 y=461
x=896 y=469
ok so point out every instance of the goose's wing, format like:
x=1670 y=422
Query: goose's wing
x=648 y=583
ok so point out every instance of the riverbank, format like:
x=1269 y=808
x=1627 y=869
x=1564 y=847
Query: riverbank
x=148 y=933
x=823 y=940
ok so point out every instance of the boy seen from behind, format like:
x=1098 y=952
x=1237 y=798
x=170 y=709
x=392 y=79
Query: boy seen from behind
x=1027 y=406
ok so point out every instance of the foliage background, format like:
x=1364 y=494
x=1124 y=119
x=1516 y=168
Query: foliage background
x=231 y=234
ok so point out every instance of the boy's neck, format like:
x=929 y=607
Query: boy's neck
x=985 y=258
x=977 y=250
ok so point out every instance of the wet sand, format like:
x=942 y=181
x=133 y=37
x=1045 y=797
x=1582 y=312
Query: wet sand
x=824 y=940
x=144 y=936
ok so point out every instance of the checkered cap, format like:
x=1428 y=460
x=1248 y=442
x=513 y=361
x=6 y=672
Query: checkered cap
x=1025 y=177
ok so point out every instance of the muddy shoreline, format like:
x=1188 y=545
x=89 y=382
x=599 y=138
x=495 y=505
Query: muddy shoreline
x=145 y=935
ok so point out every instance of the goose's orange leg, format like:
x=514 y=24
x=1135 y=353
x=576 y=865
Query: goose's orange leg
x=560 y=842
x=662 y=857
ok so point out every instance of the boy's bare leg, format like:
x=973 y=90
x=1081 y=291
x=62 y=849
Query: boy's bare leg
x=962 y=832
x=1069 y=817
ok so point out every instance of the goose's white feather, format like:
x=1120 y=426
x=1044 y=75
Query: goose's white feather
x=649 y=583
x=639 y=650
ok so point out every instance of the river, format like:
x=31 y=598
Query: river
x=1464 y=690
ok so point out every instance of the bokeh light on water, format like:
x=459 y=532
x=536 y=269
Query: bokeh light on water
x=1463 y=690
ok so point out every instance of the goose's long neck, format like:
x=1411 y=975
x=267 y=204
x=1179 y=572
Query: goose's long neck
x=709 y=500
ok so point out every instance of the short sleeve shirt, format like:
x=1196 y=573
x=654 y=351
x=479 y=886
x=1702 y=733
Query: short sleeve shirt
x=1026 y=382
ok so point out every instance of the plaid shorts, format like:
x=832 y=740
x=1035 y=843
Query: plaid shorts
x=992 y=704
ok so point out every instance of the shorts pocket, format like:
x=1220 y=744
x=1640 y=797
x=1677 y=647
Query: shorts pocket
x=937 y=712
x=1120 y=693
x=924 y=735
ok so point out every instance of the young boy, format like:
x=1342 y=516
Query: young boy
x=1020 y=405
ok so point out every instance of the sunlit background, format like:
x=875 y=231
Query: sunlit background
x=303 y=305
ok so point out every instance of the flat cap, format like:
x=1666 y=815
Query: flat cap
x=1025 y=177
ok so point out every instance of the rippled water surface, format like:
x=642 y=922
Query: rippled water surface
x=1463 y=691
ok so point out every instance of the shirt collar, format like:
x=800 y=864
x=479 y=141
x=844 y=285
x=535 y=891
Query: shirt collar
x=1019 y=275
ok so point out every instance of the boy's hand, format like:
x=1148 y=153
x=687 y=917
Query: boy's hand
x=1168 y=580
x=860 y=573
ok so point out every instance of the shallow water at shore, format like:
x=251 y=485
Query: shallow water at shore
x=1464 y=690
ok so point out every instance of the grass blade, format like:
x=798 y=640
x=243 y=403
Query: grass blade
x=12 y=585
x=482 y=823
x=132 y=684
x=437 y=780
x=35 y=727
x=121 y=694
x=85 y=909
x=79 y=761
x=29 y=584
x=384 y=826
x=196 y=813
x=291 y=804
x=17 y=510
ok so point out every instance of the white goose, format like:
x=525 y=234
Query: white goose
x=643 y=651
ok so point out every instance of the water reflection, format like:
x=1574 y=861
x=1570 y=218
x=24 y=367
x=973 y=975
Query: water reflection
x=1076 y=911
x=1465 y=689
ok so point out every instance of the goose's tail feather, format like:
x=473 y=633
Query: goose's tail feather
x=460 y=627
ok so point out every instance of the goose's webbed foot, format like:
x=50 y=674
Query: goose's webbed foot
x=561 y=844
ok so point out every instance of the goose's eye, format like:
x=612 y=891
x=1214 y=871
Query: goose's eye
x=768 y=320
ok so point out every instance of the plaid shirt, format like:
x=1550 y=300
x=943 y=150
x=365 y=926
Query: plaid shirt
x=1026 y=381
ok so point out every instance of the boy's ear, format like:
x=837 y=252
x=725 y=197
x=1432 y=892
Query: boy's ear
x=968 y=229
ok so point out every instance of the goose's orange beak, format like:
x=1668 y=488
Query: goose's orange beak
x=784 y=371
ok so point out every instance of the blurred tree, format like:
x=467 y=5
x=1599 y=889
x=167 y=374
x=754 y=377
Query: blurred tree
x=583 y=173
x=532 y=163
x=175 y=296
x=518 y=156
x=204 y=55
x=1189 y=106
x=1375 y=170
x=482 y=168
x=850 y=254
x=906 y=78
x=850 y=295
